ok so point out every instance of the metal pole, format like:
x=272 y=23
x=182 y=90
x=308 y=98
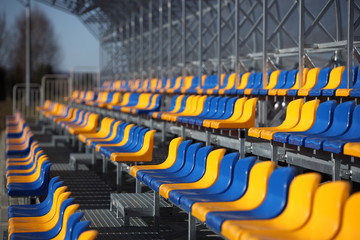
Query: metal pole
x=169 y=38
x=161 y=38
x=264 y=42
x=218 y=48
x=236 y=42
x=141 y=20
x=28 y=52
x=183 y=33
x=133 y=47
x=200 y=39
x=301 y=42
x=150 y=37
x=350 y=43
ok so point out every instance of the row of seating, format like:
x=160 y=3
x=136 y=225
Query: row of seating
x=317 y=82
x=316 y=123
x=242 y=199
x=27 y=174
x=324 y=126
x=27 y=167
x=210 y=111
x=135 y=103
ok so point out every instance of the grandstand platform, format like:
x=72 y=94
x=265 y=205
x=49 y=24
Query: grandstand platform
x=208 y=120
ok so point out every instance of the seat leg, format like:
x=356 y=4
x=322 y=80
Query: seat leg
x=104 y=162
x=156 y=210
x=118 y=176
x=191 y=227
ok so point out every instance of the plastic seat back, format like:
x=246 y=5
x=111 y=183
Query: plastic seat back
x=350 y=219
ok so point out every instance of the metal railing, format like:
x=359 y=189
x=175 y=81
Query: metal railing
x=54 y=87
x=19 y=100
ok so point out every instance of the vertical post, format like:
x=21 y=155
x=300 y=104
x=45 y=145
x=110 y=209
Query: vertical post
x=141 y=20
x=301 y=42
x=169 y=38
x=200 y=40
x=183 y=33
x=128 y=35
x=28 y=53
x=236 y=43
x=218 y=47
x=133 y=46
x=161 y=38
x=264 y=42
x=350 y=43
x=150 y=37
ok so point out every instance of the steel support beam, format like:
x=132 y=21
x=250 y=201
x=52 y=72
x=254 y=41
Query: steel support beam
x=301 y=42
x=28 y=52
x=350 y=43
x=264 y=42
x=200 y=39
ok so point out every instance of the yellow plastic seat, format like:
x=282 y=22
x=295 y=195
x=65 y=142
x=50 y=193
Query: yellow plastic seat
x=307 y=119
x=143 y=101
x=325 y=219
x=253 y=197
x=334 y=80
x=246 y=120
x=28 y=170
x=292 y=118
x=294 y=216
x=238 y=110
x=169 y=161
x=103 y=131
x=175 y=109
x=350 y=220
x=110 y=138
x=90 y=126
x=211 y=174
x=124 y=101
x=115 y=100
x=121 y=143
x=143 y=155
x=46 y=106
x=283 y=92
x=68 y=212
x=352 y=149
x=44 y=224
x=176 y=85
x=230 y=83
x=88 y=235
x=271 y=84
x=27 y=178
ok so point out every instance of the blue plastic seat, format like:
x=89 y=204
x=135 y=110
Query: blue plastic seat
x=146 y=175
x=210 y=111
x=286 y=81
x=351 y=135
x=36 y=209
x=219 y=111
x=192 y=170
x=322 y=124
x=70 y=227
x=273 y=204
x=47 y=234
x=343 y=83
x=37 y=188
x=79 y=228
x=324 y=114
x=340 y=124
x=250 y=84
x=321 y=83
x=227 y=166
x=119 y=136
x=234 y=189
x=207 y=108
